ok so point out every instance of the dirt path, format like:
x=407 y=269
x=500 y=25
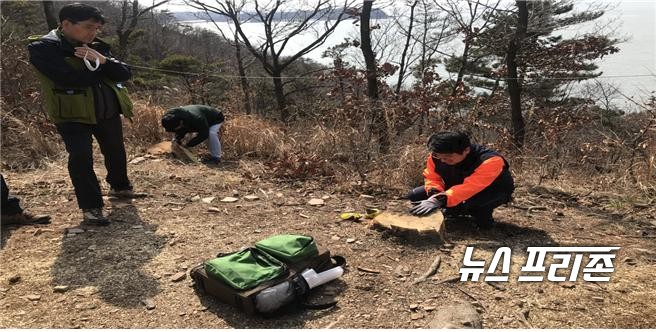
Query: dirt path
x=110 y=271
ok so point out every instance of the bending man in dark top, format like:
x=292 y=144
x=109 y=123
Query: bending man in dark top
x=203 y=120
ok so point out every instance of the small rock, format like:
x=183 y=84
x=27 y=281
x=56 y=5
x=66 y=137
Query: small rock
x=213 y=209
x=598 y=299
x=195 y=198
x=416 y=316
x=429 y=308
x=33 y=297
x=208 y=200
x=178 y=277
x=257 y=231
x=414 y=306
x=350 y=240
x=456 y=315
x=316 y=202
x=149 y=303
x=75 y=231
x=568 y=284
x=325 y=197
x=251 y=198
x=401 y=271
x=235 y=193
x=60 y=289
x=229 y=199
x=14 y=279
x=86 y=306
x=335 y=238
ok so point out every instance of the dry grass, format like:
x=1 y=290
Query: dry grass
x=27 y=141
x=145 y=126
x=250 y=136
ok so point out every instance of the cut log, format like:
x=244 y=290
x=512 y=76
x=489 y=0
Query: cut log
x=177 y=150
x=433 y=223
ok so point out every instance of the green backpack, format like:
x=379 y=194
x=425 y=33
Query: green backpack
x=245 y=269
x=289 y=248
x=251 y=267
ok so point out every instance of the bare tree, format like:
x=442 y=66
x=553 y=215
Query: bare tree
x=129 y=22
x=378 y=122
x=241 y=67
x=408 y=33
x=280 y=26
x=477 y=17
x=49 y=11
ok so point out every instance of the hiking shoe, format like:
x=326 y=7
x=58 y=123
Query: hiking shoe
x=125 y=193
x=25 y=218
x=95 y=217
x=210 y=160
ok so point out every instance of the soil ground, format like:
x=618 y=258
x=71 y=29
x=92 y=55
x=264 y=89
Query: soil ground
x=111 y=271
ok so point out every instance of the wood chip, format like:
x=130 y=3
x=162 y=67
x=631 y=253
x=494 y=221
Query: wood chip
x=230 y=199
x=316 y=202
x=208 y=200
x=251 y=197
x=367 y=270
x=33 y=297
x=178 y=276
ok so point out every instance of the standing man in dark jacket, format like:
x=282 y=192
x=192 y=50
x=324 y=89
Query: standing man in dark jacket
x=464 y=178
x=84 y=94
x=203 y=120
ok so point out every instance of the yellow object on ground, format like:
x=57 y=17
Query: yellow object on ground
x=350 y=216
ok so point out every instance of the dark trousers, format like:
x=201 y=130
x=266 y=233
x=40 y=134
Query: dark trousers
x=10 y=204
x=78 y=141
x=479 y=206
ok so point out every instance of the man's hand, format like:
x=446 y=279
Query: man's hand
x=90 y=54
x=429 y=205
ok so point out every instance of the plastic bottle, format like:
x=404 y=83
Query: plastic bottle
x=272 y=298
x=315 y=279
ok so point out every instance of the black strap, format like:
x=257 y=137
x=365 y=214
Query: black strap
x=339 y=261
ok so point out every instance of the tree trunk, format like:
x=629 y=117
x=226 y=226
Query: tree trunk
x=378 y=121
x=242 y=76
x=280 y=96
x=405 y=48
x=463 y=65
x=51 y=17
x=514 y=86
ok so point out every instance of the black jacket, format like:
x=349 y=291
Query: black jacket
x=48 y=55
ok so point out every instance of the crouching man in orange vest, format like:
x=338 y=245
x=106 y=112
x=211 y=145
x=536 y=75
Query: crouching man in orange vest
x=463 y=178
